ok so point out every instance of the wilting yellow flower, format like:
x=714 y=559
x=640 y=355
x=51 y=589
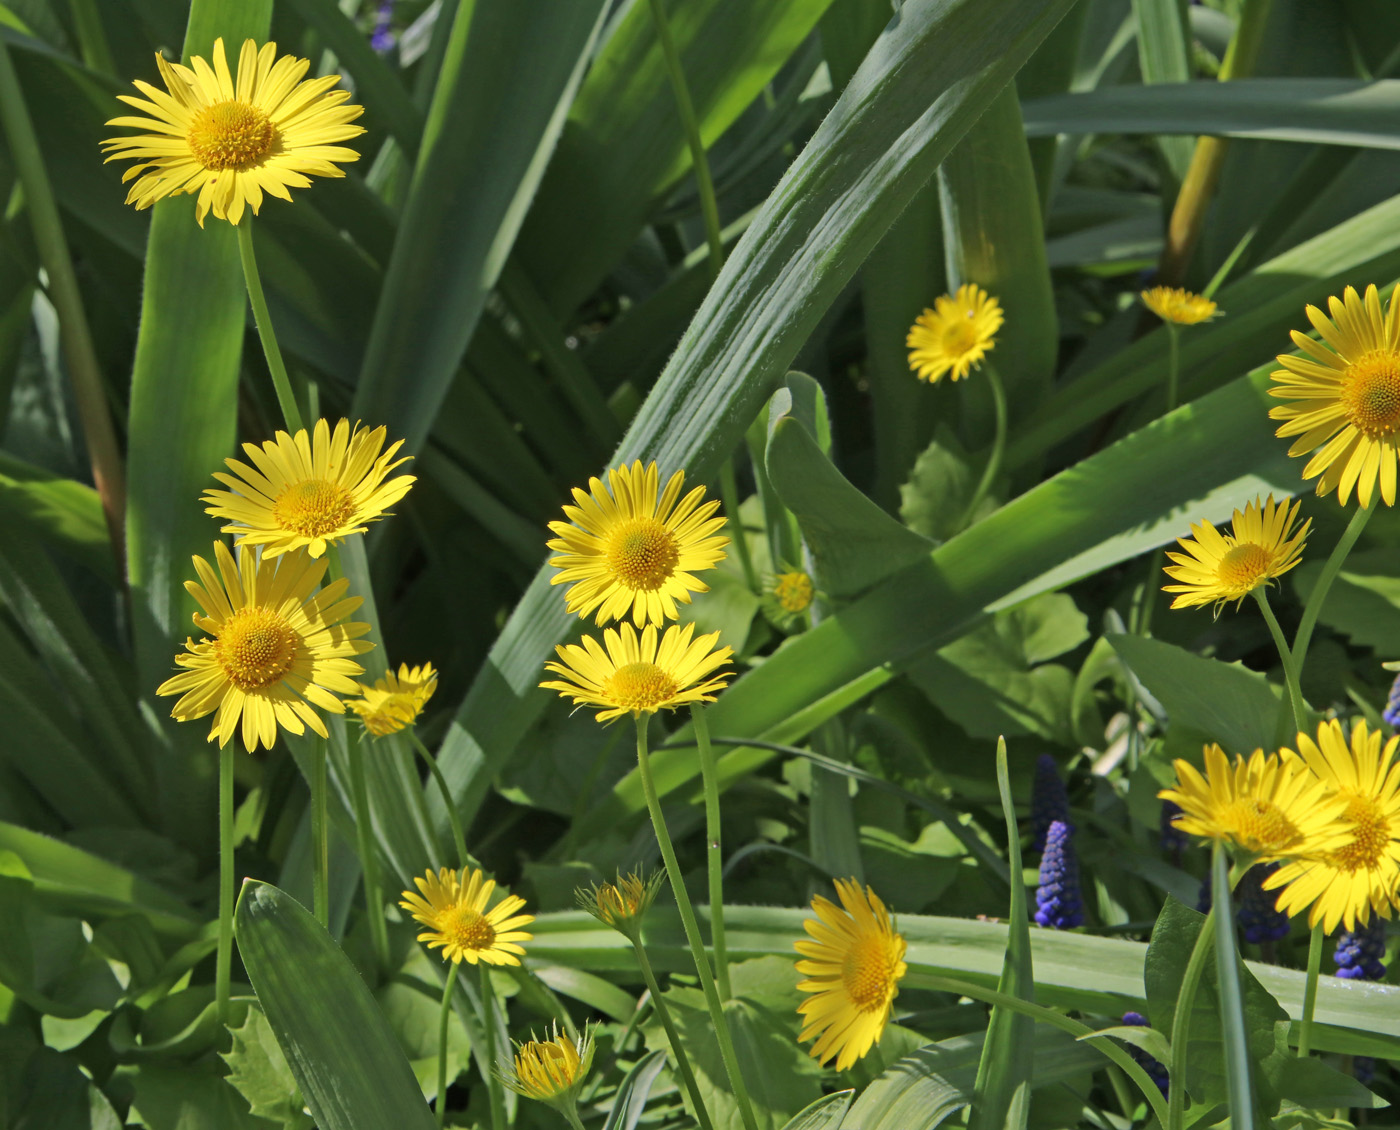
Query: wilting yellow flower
x=787 y=596
x=635 y=675
x=1172 y=304
x=1346 y=393
x=1270 y=806
x=396 y=700
x=955 y=335
x=1218 y=568
x=550 y=1070
x=310 y=491
x=1360 y=873
x=277 y=651
x=453 y=908
x=854 y=962
x=232 y=139
x=628 y=553
x=621 y=904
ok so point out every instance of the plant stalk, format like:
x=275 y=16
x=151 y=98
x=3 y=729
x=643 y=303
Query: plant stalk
x=1181 y=1022
x=459 y=840
x=1290 y=670
x=493 y=1083
x=369 y=859
x=989 y=473
x=729 y=492
x=223 y=961
x=1318 y=596
x=286 y=400
x=663 y=1013
x=692 y=929
x=320 y=847
x=1310 y=991
x=444 y=1013
x=1238 y=1082
x=714 y=849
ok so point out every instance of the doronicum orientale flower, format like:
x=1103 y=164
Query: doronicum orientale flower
x=279 y=649
x=233 y=138
x=1345 y=881
x=1180 y=307
x=637 y=676
x=395 y=700
x=452 y=907
x=308 y=490
x=1345 y=394
x=1268 y=807
x=621 y=904
x=787 y=596
x=852 y=964
x=550 y=1070
x=1218 y=568
x=955 y=335
x=624 y=551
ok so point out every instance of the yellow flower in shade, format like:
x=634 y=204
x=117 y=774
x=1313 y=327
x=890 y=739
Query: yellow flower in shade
x=787 y=596
x=278 y=651
x=453 y=908
x=1346 y=397
x=630 y=553
x=396 y=700
x=1181 y=307
x=955 y=335
x=1270 y=807
x=1218 y=568
x=1346 y=882
x=621 y=904
x=853 y=963
x=308 y=490
x=636 y=676
x=550 y=1070
x=233 y=138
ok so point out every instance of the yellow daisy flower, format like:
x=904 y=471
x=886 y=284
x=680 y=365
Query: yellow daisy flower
x=622 y=904
x=310 y=491
x=787 y=596
x=955 y=335
x=277 y=651
x=550 y=1070
x=1267 y=806
x=1181 y=307
x=396 y=700
x=232 y=139
x=1346 y=394
x=854 y=962
x=635 y=675
x=626 y=552
x=1361 y=872
x=1218 y=568
x=453 y=908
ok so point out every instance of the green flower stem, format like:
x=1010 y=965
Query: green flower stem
x=369 y=860
x=1290 y=671
x=692 y=929
x=729 y=492
x=938 y=983
x=989 y=474
x=702 y=1116
x=1310 y=991
x=570 y=1116
x=493 y=1082
x=709 y=206
x=1181 y=1023
x=1324 y=582
x=84 y=370
x=443 y=1015
x=224 y=959
x=320 y=848
x=458 y=839
x=714 y=849
x=1238 y=1082
x=280 y=381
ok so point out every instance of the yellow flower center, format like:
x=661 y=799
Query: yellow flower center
x=640 y=686
x=642 y=553
x=618 y=904
x=1370 y=394
x=313 y=508
x=794 y=591
x=1243 y=567
x=467 y=928
x=869 y=973
x=255 y=648
x=231 y=135
x=1371 y=836
x=1258 y=825
x=959 y=336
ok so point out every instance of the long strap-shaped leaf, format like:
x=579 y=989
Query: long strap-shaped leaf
x=346 y=1059
x=930 y=75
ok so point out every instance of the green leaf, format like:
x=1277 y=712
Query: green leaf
x=1235 y=1025
x=1364 y=601
x=631 y=1099
x=55 y=1094
x=65 y=515
x=824 y=1114
x=1226 y=702
x=1153 y=1042
x=1005 y=1070
x=413 y=1016
x=934 y=500
x=1164 y=57
x=258 y=1071
x=189 y=1097
x=337 y=1042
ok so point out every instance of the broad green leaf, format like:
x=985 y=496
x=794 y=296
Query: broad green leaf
x=186 y=1097
x=55 y=1094
x=351 y=1070
x=632 y=1094
x=931 y=74
x=1164 y=56
x=63 y=514
x=1153 y=1042
x=824 y=1114
x=413 y=1017
x=1237 y=1029
x=1364 y=601
x=258 y=1071
x=933 y=501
